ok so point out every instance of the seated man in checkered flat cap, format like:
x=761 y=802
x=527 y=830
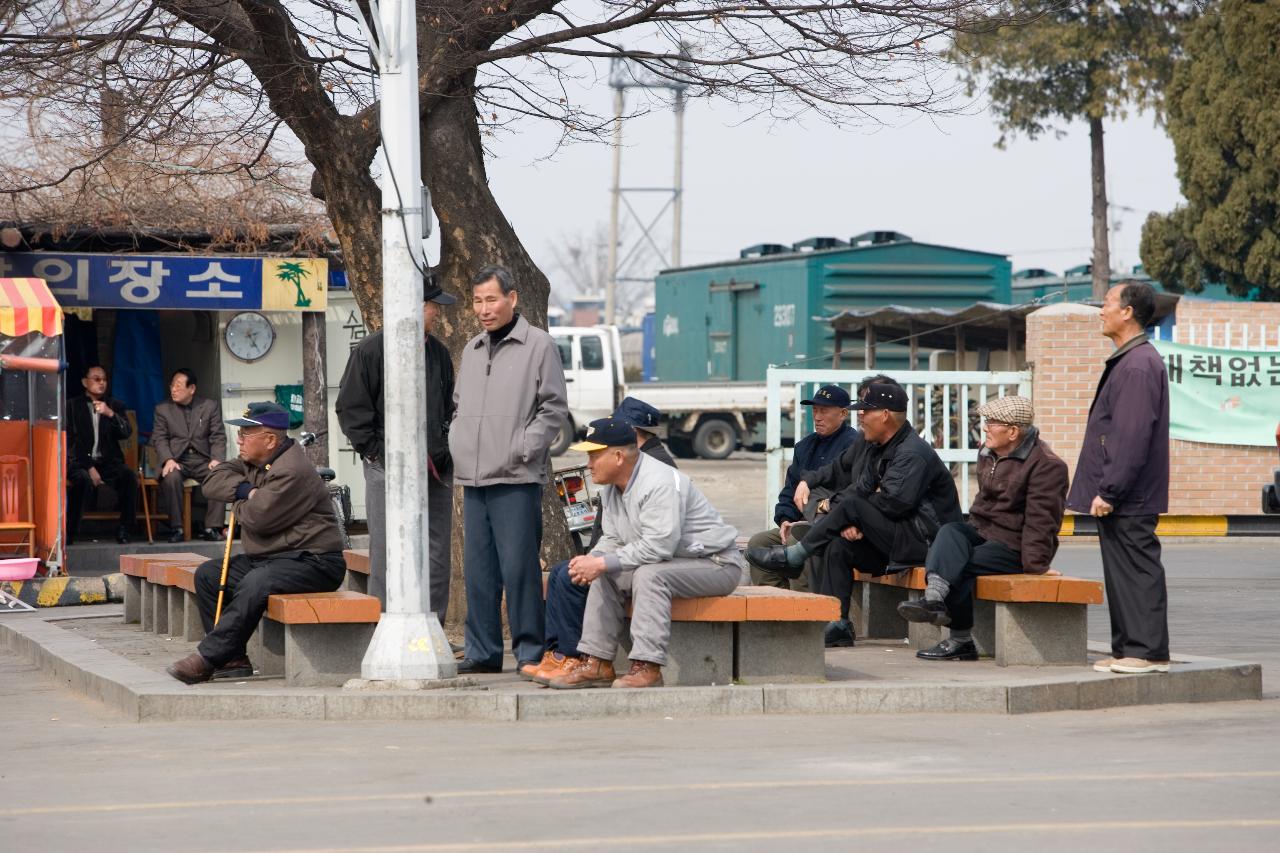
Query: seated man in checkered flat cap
x=1012 y=528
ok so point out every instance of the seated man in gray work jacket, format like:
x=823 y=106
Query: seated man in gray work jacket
x=662 y=540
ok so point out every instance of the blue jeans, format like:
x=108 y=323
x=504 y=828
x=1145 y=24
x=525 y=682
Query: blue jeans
x=566 y=602
x=503 y=529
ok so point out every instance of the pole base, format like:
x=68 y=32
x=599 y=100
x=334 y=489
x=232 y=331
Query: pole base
x=408 y=647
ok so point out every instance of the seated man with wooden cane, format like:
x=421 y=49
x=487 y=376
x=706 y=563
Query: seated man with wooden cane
x=290 y=537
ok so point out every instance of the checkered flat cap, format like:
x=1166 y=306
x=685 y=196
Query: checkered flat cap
x=1009 y=410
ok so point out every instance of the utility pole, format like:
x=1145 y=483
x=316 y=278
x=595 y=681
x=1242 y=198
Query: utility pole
x=622 y=76
x=409 y=643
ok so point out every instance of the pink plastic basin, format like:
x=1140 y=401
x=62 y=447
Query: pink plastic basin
x=18 y=570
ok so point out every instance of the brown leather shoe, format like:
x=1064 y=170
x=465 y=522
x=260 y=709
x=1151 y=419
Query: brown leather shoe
x=641 y=674
x=584 y=672
x=554 y=667
x=530 y=670
x=192 y=669
x=233 y=669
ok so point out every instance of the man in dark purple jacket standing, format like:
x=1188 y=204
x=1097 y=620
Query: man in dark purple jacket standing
x=1122 y=479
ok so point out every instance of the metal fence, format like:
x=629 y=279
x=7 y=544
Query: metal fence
x=1246 y=336
x=941 y=404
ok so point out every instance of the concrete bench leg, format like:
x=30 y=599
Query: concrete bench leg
x=159 y=608
x=147 y=607
x=874 y=611
x=266 y=648
x=699 y=653
x=132 y=599
x=177 y=610
x=1036 y=634
x=777 y=652
x=922 y=635
x=192 y=627
x=356 y=582
x=324 y=655
x=984 y=627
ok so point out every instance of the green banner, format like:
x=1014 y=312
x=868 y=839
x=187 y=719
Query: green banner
x=290 y=396
x=1222 y=396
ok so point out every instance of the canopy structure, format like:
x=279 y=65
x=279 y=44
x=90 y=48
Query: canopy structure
x=26 y=306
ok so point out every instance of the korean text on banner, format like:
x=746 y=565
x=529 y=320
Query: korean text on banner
x=1222 y=396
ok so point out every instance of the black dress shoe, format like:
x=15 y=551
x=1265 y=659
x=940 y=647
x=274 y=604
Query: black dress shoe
x=838 y=634
x=467 y=666
x=774 y=559
x=950 y=649
x=122 y=535
x=210 y=535
x=924 y=610
x=175 y=536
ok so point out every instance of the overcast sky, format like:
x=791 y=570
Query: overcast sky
x=938 y=179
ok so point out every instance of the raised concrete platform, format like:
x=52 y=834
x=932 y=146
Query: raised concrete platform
x=123 y=667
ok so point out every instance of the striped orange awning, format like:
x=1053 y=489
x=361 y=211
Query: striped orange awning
x=26 y=305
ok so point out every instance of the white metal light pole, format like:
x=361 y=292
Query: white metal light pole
x=409 y=643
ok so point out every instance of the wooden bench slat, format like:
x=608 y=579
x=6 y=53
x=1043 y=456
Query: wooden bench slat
x=1020 y=588
x=357 y=560
x=314 y=608
x=135 y=565
x=909 y=579
x=726 y=608
x=816 y=608
x=184 y=577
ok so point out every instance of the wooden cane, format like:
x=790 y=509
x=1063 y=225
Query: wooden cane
x=226 y=561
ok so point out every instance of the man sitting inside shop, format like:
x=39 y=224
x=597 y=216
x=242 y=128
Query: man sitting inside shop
x=662 y=540
x=830 y=437
x=290 y=538
x=884 y=521
x=1013 y=525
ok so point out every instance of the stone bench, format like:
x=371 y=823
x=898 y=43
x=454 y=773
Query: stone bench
x=1020 y=620
x=754 y=635
x=146 y=586
x=357 y=579
x=315 y=639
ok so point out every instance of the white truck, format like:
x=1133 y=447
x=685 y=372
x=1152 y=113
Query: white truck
x=705 y=419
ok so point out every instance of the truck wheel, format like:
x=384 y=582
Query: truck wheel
x=715 y=439
x=563 y=439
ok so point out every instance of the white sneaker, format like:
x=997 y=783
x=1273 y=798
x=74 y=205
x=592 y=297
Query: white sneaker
x=1138 y=666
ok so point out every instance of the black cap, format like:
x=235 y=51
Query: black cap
x=606 y=432
x=270 y=415
x=638 y=413
x=432 y=292
x=881 y=395
x=829 y=395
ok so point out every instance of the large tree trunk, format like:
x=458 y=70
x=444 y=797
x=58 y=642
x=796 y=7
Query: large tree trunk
x=474 y=232
x=1101 y=247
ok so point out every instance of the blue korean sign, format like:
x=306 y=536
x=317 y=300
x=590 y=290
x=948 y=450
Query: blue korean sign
x=210 y=283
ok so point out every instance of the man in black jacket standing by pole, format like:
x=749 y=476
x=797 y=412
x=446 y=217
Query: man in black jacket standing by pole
x=359 y=409
x=1122 y=479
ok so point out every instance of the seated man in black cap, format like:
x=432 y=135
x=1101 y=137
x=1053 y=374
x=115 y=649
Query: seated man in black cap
x=887 y=518
x=289 y=533
x=831 y=436
x=566 y=600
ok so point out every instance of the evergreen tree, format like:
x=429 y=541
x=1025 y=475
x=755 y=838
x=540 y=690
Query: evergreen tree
x=1049 y=61
x=1223 y=108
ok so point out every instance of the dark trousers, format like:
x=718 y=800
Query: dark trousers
x=80 y=490
x=959 y=555
x=193 y=467
x=566 y=602
x=1136 y=595
x=435 y=580
x=503 y=529
x=249 y=581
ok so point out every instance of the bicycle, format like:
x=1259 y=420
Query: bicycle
x=339 y=495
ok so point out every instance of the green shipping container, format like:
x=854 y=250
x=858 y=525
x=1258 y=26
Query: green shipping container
x=729 y=321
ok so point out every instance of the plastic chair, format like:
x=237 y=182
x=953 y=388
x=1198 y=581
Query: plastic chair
x=17 y=510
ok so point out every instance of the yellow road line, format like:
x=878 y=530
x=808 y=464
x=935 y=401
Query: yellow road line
x=763 y=784
x=801 y=835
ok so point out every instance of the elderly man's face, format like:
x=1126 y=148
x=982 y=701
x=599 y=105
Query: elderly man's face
x=493 y=308
x=828 y=419
x=1001 y=438
x=430 y=313
x=256 y=444
x=95 y=383
x=1114 y=317
x=605 y=466
x=180 y=390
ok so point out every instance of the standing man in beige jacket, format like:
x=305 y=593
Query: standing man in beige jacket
x=510 y=404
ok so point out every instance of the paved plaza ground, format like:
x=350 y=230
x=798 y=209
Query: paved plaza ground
x=74 y=776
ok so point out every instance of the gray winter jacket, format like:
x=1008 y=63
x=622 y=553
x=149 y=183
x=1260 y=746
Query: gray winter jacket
x=509 y=404
x=661 y=516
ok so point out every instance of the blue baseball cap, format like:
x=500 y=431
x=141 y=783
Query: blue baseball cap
x=605 y=433
x=264 y=414
x=829 y=395
x=638 y=413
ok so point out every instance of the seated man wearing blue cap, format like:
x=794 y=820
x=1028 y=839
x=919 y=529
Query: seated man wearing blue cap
x=662 y=540
x=886 y=519
x=830 y=437
x=567 y=600
x=289 y=534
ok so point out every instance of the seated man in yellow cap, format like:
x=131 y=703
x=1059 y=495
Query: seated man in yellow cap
x=662 y=540
x=1012 y=528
